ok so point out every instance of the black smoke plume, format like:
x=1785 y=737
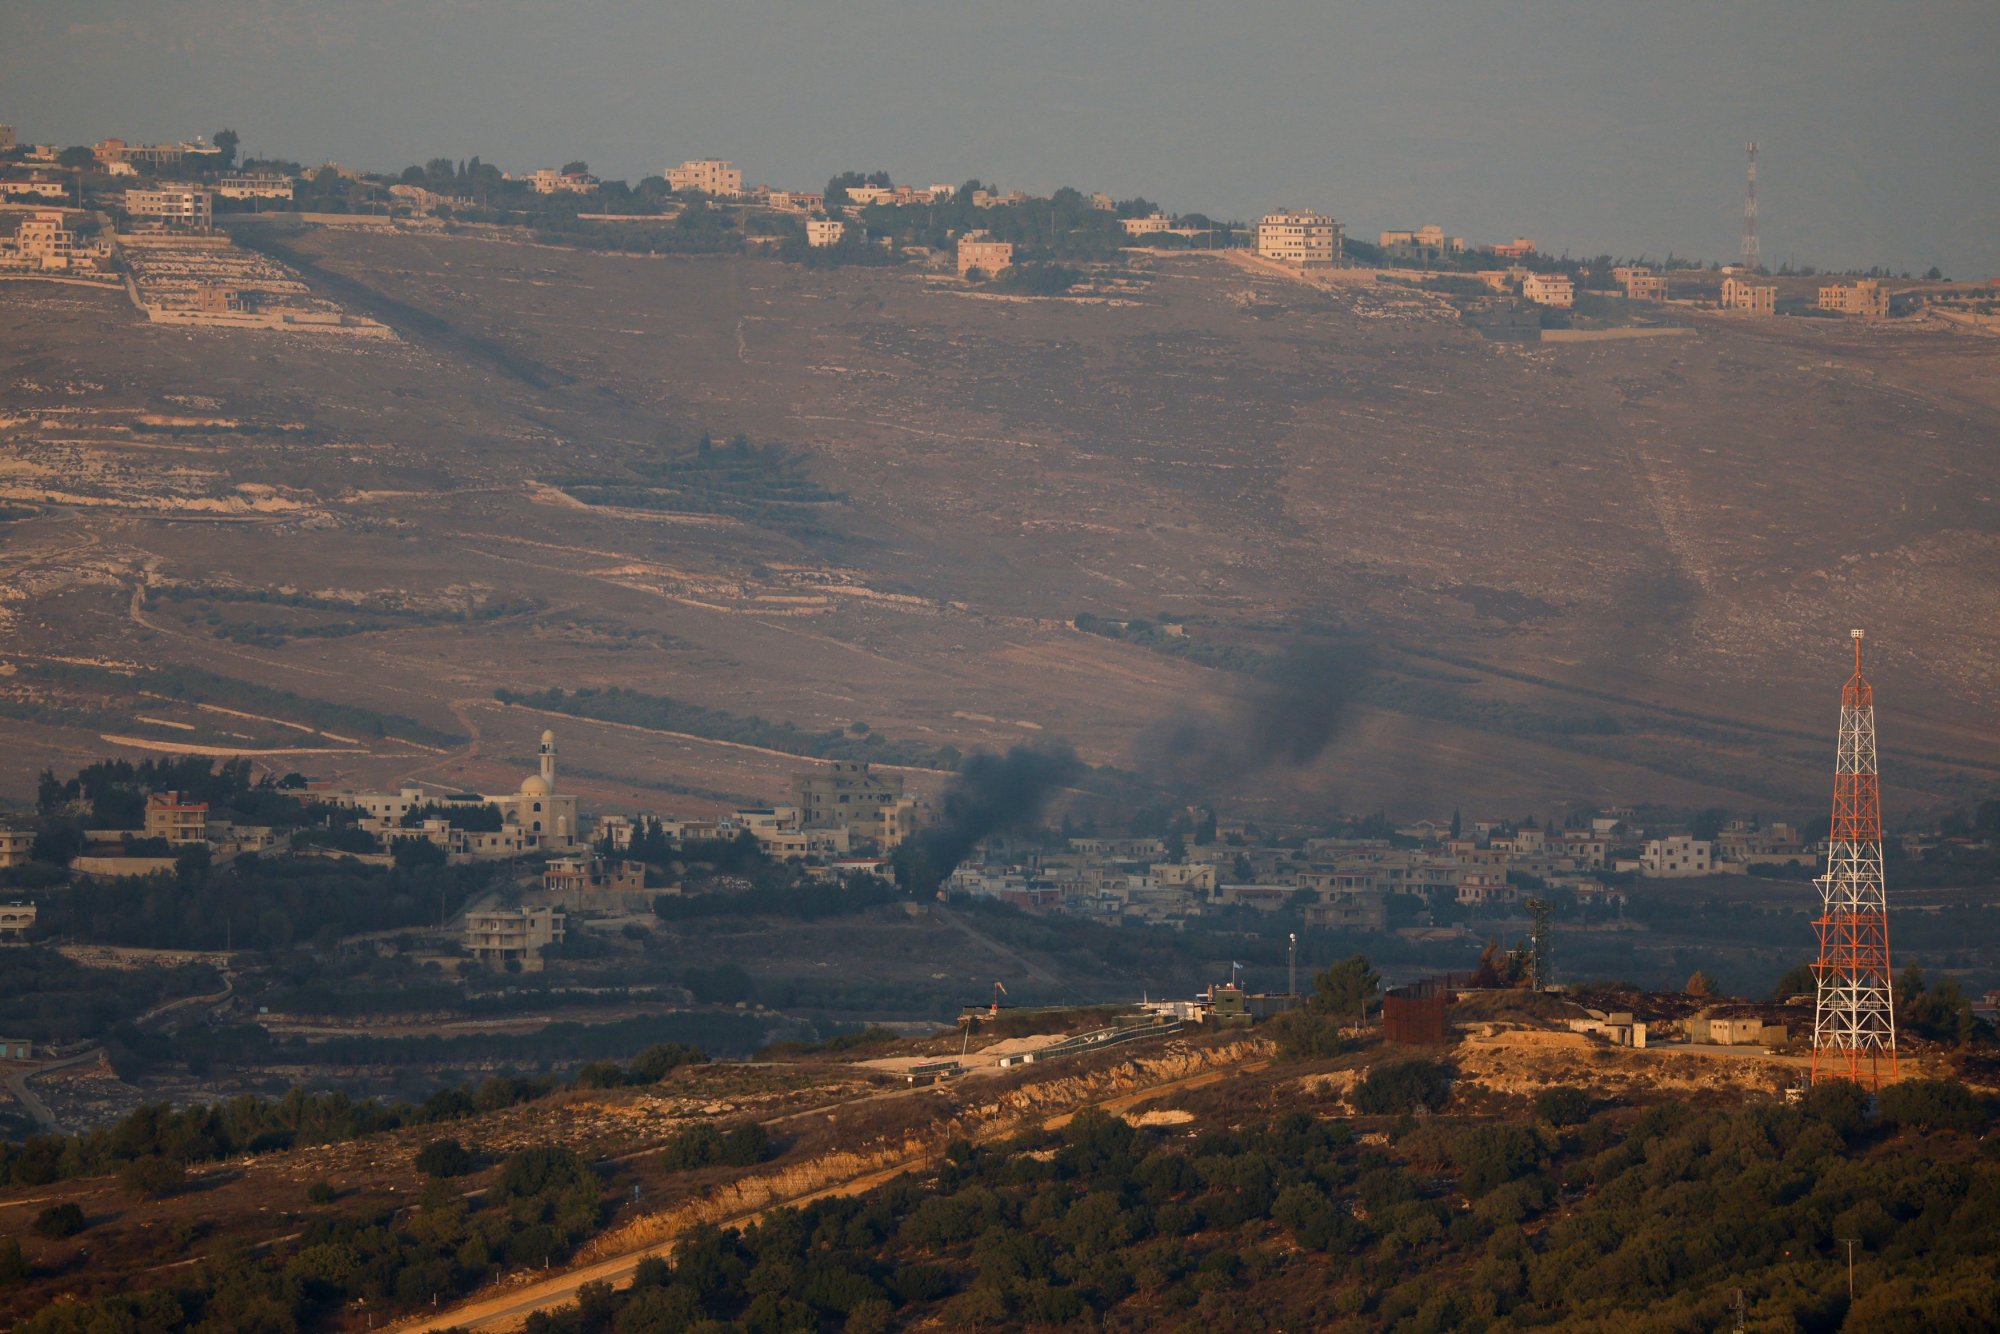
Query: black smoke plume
x=1300 y=705
x=990 y=793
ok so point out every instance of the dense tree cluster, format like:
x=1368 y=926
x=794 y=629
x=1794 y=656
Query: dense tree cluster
x=545 y=1201
x=258 y=902
x=250 y=1125
x=1295 y=1223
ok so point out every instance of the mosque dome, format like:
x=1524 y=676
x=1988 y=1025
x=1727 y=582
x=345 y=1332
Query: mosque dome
x=549 y=738
x=534 y=786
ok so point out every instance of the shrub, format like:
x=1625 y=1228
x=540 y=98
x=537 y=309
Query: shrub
x=60 y=1220
x=444 y=1158
x=1302 y=1035
x=1932 y=1104
x=320 y=1192
x=153 y=1177
x=1403 y=1087
x=13 y=1265
x=1563 y=1106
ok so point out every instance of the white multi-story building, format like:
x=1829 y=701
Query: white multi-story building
x=824 y=231
x=711 y=176
x=1299 y=238
x=175 y=205
x=255 y=186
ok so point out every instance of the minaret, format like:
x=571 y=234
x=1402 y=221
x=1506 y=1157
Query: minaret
x=548 y=754
x=1854 y=1023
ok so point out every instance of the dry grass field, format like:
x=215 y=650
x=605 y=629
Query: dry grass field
x=1591 y=573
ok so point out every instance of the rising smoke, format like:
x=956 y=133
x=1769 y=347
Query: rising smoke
x=990 y=793
x=1300 y=706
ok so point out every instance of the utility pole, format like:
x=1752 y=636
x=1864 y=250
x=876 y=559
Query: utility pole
x=1292 y=963
x=1750 y=253
x=1850 y=1243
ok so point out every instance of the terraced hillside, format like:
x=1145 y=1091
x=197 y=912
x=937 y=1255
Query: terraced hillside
x=1582 y=572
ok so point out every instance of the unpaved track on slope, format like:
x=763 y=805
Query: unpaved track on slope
x=507 y=1310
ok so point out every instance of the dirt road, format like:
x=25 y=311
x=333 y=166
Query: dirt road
x=506 y=1310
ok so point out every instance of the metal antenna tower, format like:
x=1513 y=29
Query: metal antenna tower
x=1751 y=260
x=1541 y=961
x=1854 y=1022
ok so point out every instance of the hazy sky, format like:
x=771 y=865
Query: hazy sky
x=1591 y=127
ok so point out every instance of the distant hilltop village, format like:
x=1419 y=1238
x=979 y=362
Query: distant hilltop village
x=846 y=819
x=154 y=218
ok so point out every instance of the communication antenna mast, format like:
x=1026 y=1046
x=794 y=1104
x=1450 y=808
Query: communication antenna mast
x=1854 y=1020
x=1751 y=259
x=1541 y=961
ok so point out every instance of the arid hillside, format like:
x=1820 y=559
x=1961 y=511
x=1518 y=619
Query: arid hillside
x=1594 y=572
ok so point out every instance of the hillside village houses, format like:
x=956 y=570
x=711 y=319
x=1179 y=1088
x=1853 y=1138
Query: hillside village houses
x=44 y=242
x=536 y=818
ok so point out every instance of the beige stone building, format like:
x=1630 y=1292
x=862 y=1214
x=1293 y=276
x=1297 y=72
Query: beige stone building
x=44 y=241
x=1549 y=289
x=1864 y=298
x=16 y=920
x=1425 y=245
x=978 y=251
x=175 y=205
x=824 y=231
x=1750 y=298
x=16 y=847
x=848 y=795
x=1146 y=226
x=711 y=176
x=589 y=874
x=549 y=181
x=1644 y=286
x=1677 y=856
x=1299 y=238
x=34 y=187
x=518 y=935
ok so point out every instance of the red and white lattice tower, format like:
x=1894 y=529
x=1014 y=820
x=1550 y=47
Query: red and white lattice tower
x=1854 y=1024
